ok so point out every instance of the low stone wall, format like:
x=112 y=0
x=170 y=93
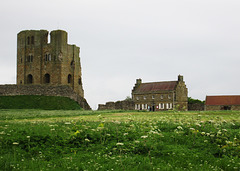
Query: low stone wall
x=221 y=107
x=196 y=106
x=119 y=105
x=45 y=90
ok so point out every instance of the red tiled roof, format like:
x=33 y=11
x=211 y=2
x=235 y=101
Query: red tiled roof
x=156 y=86
x=223 y=100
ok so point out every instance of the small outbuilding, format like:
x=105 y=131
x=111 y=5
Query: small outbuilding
x=227 y=102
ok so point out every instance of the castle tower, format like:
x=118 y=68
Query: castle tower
x=54 y=63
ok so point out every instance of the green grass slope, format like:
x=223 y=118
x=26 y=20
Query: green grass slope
x=38 y=102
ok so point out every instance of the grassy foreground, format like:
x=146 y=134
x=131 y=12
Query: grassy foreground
x=119 y=140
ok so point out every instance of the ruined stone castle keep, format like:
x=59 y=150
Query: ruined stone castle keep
x=47 y=68
x=40 y=62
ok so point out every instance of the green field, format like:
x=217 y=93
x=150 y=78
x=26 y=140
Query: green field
x=119 y=140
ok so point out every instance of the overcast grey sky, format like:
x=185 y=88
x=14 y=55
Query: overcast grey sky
x=124 y=40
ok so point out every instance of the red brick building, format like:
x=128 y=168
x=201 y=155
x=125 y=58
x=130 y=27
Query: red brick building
x=228 y=102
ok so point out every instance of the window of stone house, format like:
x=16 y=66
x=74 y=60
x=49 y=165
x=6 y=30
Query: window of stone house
x=46 y=78
x=144 y=97
x=136 y=106
x=153 y=97
x=137 y=98
x=170 y=105
x=69 y=78
x=166 y=105
x=169 y=96
x=29 y=79
x=161 y=97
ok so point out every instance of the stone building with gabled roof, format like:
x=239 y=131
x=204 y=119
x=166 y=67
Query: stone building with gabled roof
x=165 y=95
x=227 y=102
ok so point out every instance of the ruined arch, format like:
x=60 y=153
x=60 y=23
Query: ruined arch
x=32 y=40
x=28 y=40
x=29 y=79
x=47 y=78
x=69 y=78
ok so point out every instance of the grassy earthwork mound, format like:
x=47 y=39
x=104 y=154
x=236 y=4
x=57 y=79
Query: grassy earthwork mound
x=38 y=102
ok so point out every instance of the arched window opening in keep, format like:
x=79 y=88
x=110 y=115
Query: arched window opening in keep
x=29 y=79
x=32 y=40
x=69 y=78
x=47 y=78
x=28 y=40
x=46 y=57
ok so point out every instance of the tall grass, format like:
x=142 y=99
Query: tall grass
x=121 y=141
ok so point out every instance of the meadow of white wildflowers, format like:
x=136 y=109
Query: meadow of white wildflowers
x=119 y=140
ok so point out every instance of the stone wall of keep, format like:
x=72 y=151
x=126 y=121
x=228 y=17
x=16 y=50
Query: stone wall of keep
x=45 y=90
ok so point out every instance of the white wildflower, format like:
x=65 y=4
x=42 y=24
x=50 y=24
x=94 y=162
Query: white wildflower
x=15 y=143
x=180 y=128
x=118 y=144
x=198 y=125
x=67 y=123
x=87 y=140
x=224 y=130
x=144 y=136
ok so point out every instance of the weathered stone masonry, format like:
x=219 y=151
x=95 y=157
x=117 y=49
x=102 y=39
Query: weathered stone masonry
x=119 y=105
x=53 y=63
x=45 y=90
x=49 y=69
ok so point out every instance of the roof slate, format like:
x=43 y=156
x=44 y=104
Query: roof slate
x=223 y=100
x=156 y=86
